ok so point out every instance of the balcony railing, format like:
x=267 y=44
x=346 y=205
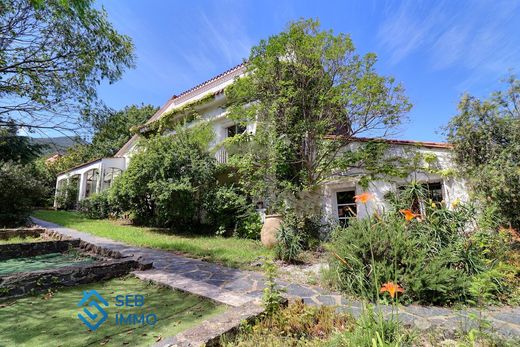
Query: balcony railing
x=221 y=155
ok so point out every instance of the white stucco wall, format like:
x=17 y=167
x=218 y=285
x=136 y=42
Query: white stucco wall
x=453 y=189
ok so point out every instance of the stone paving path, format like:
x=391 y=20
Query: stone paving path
x=236 y=287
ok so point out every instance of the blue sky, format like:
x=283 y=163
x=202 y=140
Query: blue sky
x=437 y=49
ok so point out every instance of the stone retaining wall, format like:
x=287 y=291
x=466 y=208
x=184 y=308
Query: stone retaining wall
x=25 y=283
x=6 y=234
x=210 y=332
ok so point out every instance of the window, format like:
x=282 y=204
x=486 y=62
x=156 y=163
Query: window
x=236 y=129
x=346 y=205
x=92 y=180
x=433 y=192
x=108 y=177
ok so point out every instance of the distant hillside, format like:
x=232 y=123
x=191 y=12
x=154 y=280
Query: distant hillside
x=56 y=144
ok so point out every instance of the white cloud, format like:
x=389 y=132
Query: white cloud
x=481 y=36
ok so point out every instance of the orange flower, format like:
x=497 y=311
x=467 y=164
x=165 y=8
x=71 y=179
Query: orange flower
x=409 y=215
x=364 y=197
x=515 y=235
x=391 y=288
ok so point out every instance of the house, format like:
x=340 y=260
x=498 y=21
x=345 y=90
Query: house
x=338 y=193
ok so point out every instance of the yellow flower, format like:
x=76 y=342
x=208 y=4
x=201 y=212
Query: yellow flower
x=392 y=289
x=364 y=197
x=455 y=203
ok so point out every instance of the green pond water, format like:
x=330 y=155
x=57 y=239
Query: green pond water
x=41 y=262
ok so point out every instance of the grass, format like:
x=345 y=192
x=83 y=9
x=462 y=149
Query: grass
x=51 y=319
x=19 y=239
x=232 y=251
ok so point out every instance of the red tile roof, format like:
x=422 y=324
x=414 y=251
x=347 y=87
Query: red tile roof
x=236 y=70
x=427 y=144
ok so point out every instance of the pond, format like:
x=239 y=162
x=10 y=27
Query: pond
x=51 y=319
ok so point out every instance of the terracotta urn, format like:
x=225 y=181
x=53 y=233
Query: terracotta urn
x=270 y=229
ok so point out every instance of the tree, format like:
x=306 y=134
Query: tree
x=112 y=129
x=19 y=193
x=53 y=54
x=311 y=95
x=17 y=148
x=486 y=138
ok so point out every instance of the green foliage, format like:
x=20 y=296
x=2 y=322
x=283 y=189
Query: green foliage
x=440 y=258
x=167 y=180
x=112 y=129
x=172 y=119
x=111 y=132
x=97 y=206
x=290 y=242
x=19 y=192
x=296 y=325
x=486 y=139
x=16 y=148
x=372 y=329
x=250 y=226
x=310 y=94
x=272 y=298
x=67 y=195
x=229 y=210
x=53 y=57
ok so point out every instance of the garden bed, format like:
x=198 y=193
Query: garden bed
x=19 y=235
x=31 y=267
x=44 y=261
x=51 y=319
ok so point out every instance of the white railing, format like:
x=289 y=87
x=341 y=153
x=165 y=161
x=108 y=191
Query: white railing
x=221 y=155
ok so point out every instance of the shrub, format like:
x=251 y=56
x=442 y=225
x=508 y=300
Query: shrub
x=371 y=255
x=373 y=329
x=441 y=257
x=290 y=243
x=272 y=298
x=487 y=149
x=96 y=206
x=19 y=191
x=167 y=181
x=230 y=212
x=295 y=325
x=67 y=195
x=250 y=226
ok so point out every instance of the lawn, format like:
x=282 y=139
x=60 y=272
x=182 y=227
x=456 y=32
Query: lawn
x=52 y=319
x=234 y=252
x=19 y=239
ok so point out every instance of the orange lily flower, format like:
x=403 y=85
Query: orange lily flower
x=391 y=288
x=409 y=215
x=364 y=197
